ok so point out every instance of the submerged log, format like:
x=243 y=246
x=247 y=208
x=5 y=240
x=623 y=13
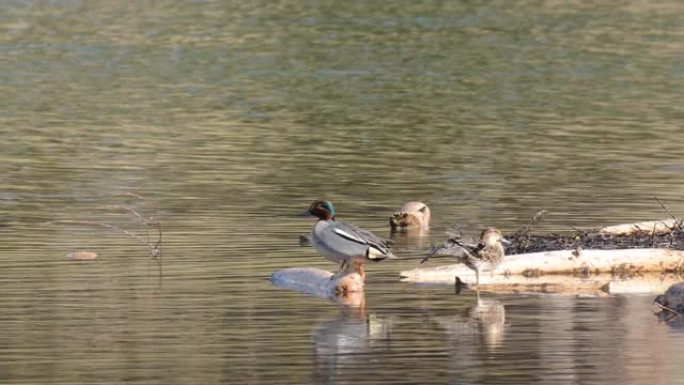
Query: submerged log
x=591 y=285
x=621 y=262
x=346 y=288
x=657 y=227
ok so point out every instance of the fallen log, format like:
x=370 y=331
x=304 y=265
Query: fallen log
x=519 y=269
x=592 y=285
x=345 y=289
x=656 y=227
x=501 y=283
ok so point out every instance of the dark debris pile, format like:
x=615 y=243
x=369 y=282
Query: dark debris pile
x=524 y=242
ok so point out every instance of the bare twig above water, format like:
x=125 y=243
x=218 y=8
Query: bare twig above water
x=95 y=223
x=538 y=216
x=667 y=308
x=154 y=245
x=665 y=208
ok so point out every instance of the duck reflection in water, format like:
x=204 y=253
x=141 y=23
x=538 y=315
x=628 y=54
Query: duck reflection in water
x=343 y=342
x=484 y=320
x=490 y=318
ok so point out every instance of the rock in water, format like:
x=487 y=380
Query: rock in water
x=82 y=255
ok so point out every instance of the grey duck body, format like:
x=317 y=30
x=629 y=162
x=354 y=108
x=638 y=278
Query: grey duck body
x=343 y=242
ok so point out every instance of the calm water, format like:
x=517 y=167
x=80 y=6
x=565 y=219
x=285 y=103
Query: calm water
x=230 y=117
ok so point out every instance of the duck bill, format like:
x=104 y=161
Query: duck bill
x=305 y=213
x=506 y=242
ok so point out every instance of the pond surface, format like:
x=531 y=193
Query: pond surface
x=231 y=117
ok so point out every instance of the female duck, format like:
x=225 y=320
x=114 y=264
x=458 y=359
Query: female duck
x=489 y=251
x=342 y=242
x=412 y=215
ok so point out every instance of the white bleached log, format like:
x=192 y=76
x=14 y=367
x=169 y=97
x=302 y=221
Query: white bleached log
x=346 y=289
x=620 y=261
x=660 y=227
x=593 y=285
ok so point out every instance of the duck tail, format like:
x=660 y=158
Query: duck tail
x=376 y=255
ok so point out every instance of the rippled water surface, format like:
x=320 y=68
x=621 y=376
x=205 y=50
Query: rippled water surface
x=230 y=117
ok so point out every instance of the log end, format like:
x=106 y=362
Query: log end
x=657 y=227
x=344 y=288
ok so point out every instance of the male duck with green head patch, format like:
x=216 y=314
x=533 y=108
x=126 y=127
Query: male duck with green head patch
x=342 y=242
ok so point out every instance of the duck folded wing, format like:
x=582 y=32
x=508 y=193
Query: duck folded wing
x=361 y=236
x=457 y=249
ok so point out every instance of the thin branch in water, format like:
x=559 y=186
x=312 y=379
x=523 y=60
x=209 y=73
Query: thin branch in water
x=674 y=313
x=667 y=308
x=140 y=218
x=155 y=248
x=665 y=208
x=156 y=252
x=454 y=232
x=538 y=216
x=132 y=194
x=101 y=224
x=130 y=210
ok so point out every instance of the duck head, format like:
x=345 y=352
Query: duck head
x=492 y=236
x=411 y=216
x=322 y=209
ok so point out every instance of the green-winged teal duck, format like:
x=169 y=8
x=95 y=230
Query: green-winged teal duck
x=343 y=242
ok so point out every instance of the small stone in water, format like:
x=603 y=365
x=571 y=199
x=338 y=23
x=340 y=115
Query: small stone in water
x=82 y=255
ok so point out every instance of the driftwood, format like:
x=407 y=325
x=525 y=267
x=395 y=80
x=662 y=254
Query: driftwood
x=592 y=285
x=657 y=227
x=346 y=288
x=82 y=255
x=557 y=271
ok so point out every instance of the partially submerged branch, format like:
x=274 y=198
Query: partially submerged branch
x=154 y=245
